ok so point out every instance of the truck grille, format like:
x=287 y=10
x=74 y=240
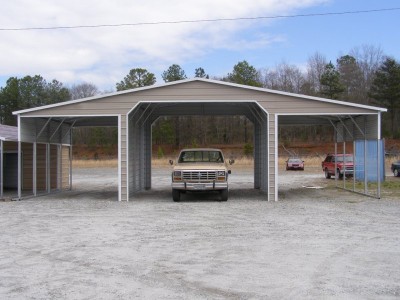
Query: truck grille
x=199 y=175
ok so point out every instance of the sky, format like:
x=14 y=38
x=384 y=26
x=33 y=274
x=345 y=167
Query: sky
x=104 y=55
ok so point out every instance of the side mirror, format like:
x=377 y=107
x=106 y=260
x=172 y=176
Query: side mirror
x=229 y=172
x=231 y=161
x=171 y=162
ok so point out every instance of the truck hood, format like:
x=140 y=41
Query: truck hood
x=200 y=166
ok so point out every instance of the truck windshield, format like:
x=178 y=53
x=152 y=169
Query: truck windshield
x=347 y=159
x=200 y=156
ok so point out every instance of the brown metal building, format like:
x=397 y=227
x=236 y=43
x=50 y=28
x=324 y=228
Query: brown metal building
x=38 y=176
x=47 y=129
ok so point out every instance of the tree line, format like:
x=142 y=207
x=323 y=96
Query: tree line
x=365 y=75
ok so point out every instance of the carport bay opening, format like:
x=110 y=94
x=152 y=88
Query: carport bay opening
x=145 y=114
x=139 y=152
x=136 y=109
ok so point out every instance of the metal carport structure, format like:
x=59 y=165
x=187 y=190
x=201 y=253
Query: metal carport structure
x=8 y=142
x=134 y=111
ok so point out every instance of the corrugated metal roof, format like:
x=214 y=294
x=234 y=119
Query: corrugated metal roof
x=8 y=133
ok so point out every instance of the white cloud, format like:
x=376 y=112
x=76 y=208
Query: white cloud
x=105 y=55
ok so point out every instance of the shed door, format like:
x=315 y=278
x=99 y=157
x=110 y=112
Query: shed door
x=10 y=171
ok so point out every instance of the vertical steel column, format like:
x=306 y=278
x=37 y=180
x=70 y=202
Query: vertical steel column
x=141 y=156
x=19 y=170
x=378 y=173
x=70 y=166
x=34 y=169
x=1 y=169
x=148 y=155
x=354 y=165
x=336 y=183
x=365 y=157
x=257 y=162
x=276 y=155
x=379 y=155
x=48 y=181
x=344 y=165
x=59 y=167
x=119 y=159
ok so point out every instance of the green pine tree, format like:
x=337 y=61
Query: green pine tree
x=330 y=82
x=385 y=88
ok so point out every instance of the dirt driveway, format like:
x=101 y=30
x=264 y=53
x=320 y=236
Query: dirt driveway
x=313 y=244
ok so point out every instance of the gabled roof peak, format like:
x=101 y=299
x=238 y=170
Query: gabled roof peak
x=211 y=81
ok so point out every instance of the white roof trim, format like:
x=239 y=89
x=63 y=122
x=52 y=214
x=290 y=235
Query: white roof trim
x=204 y=80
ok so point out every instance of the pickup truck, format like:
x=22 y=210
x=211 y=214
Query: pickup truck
x=395 y=167
x=199 y=170
x=338 y=165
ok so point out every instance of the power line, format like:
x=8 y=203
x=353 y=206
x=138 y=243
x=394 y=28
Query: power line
x=204 y=20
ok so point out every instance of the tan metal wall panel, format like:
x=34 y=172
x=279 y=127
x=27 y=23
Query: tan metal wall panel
x=273 y=103
x=65 y=167
x=31 y=127
x=41 y=167
x=54 y=159
x=123 y=159
x=272 y=149
x=27 y=166
x=367 y=123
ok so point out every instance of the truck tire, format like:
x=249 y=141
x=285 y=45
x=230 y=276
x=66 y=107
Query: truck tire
x=176 y=195
x=327 y=175
x=338 y=175
x=224 y=195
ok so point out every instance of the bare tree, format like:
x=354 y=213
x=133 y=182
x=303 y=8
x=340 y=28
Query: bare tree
x=83 y=90
x=315 y=68
x=369 y=58
x=284 y=77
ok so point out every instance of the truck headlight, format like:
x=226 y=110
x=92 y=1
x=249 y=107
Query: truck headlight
x=177 y=176
x=221 y=175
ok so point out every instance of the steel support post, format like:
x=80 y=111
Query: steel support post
x=34 y=169
x=1 y=169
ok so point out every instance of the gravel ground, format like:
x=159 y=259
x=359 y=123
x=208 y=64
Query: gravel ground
x=313 y=244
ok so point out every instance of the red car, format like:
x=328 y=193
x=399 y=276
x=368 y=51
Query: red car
x=342 y=162
x=295 y=164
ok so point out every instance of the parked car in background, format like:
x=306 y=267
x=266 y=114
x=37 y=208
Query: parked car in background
x=295 y=163
x=338 y=165
x=395 y=167
x=200 y=170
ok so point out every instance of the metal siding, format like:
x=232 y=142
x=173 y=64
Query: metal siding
x=192 y=91
x=65 y=167
x=27 y=166
x=138 y=145
x=134 y=155
x=367 y=123
x=1 y=169
x=123 y=159
x=54 y=176
x=371 y=126
x=31 y=127
x=272 y=152
x=257 y=156
x=148 y=155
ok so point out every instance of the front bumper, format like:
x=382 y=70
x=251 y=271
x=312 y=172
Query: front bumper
x=199 y=186
x=347 y=172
